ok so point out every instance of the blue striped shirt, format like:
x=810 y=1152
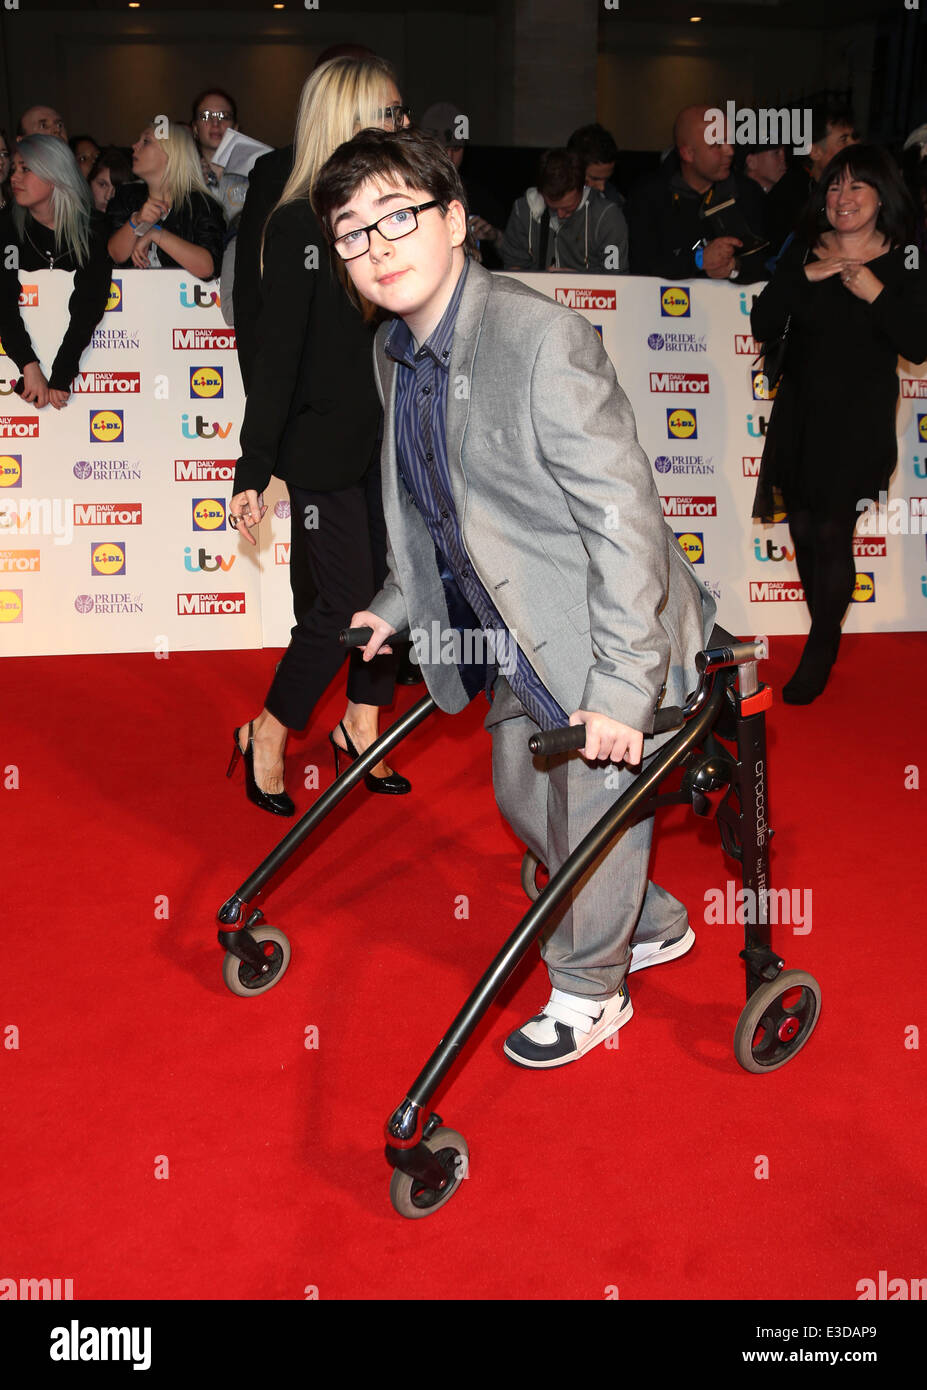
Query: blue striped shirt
x=421 y=449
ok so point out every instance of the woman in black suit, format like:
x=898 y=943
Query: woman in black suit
x=312 y=418
x=854 y=300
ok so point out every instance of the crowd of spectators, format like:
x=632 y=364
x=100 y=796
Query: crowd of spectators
x=573 y=218
x=708 y=210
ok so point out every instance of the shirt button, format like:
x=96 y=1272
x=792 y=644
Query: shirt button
x=430 y=458
x=426 y=390
x=444 y=515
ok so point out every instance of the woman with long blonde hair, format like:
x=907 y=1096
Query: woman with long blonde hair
x=169 y=219
x=313 y=420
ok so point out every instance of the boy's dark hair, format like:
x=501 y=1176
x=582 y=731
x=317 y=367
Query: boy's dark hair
x=560 y=172
x=872 y=165
x=402 y=156
x=593 y=144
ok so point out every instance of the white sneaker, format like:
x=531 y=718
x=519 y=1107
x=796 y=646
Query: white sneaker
x=657 y=952
x=568 y=1026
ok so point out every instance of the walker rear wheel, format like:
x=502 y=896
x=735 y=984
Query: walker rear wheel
x=777 y=1021
x=242 y=979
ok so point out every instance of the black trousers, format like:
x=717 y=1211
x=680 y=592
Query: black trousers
x=343 y=538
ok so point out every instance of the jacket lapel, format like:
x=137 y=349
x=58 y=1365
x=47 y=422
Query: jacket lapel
x=459 y=386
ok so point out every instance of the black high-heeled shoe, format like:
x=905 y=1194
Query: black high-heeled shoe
x=277 y=803
x=393 y=785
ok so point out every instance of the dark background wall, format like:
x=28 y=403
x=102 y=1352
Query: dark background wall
x=526 y=72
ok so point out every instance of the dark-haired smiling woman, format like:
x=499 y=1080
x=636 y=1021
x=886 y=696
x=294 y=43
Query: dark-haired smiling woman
x=853 y=303
x=51 y=226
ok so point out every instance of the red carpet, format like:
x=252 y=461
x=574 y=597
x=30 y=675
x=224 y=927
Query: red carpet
x=635 y=1169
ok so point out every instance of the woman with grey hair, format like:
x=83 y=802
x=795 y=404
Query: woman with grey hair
x=51 y=226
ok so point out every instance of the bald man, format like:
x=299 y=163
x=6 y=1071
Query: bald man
x=674 y=233
x=41 y=120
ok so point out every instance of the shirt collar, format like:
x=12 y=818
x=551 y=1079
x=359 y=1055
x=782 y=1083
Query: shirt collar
x=398 y=343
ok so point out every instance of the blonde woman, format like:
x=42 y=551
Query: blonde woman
x=169 y=218
x=313 y=419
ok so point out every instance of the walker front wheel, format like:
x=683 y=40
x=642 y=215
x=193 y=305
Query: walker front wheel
x=411 y=1198
x=242 y=979
x=777 y=1021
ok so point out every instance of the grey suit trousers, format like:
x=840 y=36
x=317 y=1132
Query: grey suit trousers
x=552 y=804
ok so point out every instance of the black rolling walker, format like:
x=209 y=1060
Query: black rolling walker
x=728 y=707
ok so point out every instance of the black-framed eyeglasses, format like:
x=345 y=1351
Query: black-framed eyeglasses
x=396 y=114
x=391 y=227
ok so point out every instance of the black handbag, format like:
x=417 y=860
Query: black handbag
x=773 y=358
x=773 y=354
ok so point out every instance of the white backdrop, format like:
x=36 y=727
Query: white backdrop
x=113 y=526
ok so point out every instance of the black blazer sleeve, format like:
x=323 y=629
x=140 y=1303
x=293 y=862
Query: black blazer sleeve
x=85 y=307
x=267 y=181
x=288 y=290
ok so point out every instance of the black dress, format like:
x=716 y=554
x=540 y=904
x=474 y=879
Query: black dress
x=37 y=251
x=831 y=436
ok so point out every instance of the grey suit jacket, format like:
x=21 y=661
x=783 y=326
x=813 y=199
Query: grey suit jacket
x=558 y=509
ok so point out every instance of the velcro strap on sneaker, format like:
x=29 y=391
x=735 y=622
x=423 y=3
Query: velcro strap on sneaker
x=573 y=1010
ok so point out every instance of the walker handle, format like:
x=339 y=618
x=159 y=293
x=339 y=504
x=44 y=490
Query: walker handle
x=355 y=636
x=360 y=636
x=574 y=735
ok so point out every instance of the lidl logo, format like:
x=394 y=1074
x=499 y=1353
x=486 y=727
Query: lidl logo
x=922 y=427
x=693 y=546
x=674 y=302
x=864 y=588
x=208 y=514
x=114 y=300
x=108 y=557
x=107 y=426
x=11 y=470
x=11 y=605
x=206 y=382
x=681 y=424
x=759 y=385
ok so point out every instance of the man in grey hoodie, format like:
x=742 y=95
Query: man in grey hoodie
x=563 y=225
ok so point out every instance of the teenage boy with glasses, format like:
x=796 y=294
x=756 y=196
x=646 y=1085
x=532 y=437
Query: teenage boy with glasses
x=517 y=498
